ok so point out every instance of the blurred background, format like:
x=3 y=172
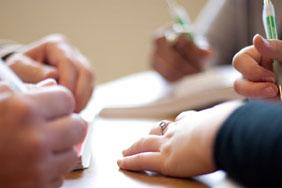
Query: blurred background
x=116 y=35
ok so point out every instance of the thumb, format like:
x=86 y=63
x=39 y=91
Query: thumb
x=271 y=49
x=29 y=70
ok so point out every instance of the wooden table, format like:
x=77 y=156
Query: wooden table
x=110 y=137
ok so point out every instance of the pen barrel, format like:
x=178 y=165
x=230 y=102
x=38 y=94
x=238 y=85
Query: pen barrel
x=182 y=21
x=271 y=27
x=277 y=69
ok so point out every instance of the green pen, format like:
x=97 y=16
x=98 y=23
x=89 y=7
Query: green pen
x=181 y=18
x=270 y=27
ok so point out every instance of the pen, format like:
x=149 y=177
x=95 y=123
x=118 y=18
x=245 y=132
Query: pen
x=270 y=27
x=181 y=18
x=8 y=76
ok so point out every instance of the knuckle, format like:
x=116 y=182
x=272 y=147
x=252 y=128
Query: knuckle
x=59 y=182
x=38 y=178
x=80 y=128
x=23 y=108
x=38 y=175
x=166 y=165
x=237 y=86
x=38 y=145
x=141 y=142
x=66 y=96
x=236 y=62
x=88 y=72
x=166 y=150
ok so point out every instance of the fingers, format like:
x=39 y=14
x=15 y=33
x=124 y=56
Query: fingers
x=165 y=68
x=175 y=60
x=84 y=88
x=150 y=143
x=52 y=102
x=57 y=183
x=151 y=161
x=71 y=128
x=168 y=62
x=158 y=129
x=246 y=62
x=63 y=163
x=74 y=70
x=29 y=70
x=256 y=89
x=269 y=48
x=192 y=53
x=5 y=88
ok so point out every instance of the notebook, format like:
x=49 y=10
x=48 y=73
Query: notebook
x=148 y=95
x=84 y=149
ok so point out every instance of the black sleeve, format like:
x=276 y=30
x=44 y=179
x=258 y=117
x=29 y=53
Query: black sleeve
x=249 y=145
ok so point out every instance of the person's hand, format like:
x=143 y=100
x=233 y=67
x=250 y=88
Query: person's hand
x=183 y=149
x=255 y=65
x=174 y=60
x=38 y=133
x=54 y=57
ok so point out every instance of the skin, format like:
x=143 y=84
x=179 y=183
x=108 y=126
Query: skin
x=174 y=60
x=185 y=149
x=54 y=57
x=255 y=64
x=32 y=126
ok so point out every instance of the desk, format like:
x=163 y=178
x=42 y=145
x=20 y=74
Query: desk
x=111 y=136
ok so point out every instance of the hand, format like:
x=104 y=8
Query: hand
x=38 y=133
x=255 y=65
x=186 y=147
x=53 y=57
x=178 y=59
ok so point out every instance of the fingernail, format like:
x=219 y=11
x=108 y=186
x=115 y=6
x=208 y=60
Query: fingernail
x=119 y=162
x=265 y=42
x=269 y=91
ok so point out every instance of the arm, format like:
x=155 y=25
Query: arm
x=248 y=146
x=223 y=27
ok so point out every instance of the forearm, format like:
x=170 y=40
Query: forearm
x=248 y=145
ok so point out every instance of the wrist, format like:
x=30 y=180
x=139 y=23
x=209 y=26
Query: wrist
x=213 y=119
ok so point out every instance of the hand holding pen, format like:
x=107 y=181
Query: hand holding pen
x=176 y=53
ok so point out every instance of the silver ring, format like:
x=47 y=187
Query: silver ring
x=163 y=125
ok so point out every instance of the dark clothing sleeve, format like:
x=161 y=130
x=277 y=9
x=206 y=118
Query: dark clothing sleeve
x=249 y=145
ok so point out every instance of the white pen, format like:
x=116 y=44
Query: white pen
x=8 y=76
x=270 y=27
x=181 y=18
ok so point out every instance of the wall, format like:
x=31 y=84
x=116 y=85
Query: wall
x=114 y=34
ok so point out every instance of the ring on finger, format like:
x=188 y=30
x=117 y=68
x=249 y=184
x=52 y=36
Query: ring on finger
x=163 y=125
